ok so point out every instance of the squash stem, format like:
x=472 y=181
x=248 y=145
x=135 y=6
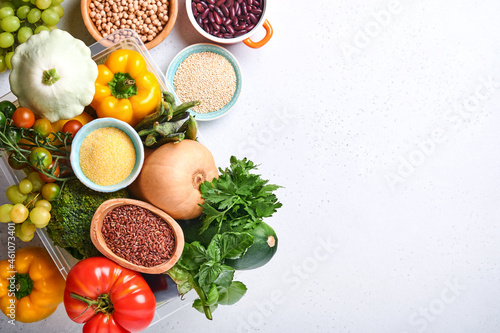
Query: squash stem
x=50 y=77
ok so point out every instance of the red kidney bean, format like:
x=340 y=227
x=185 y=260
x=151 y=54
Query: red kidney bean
x=230 y=29
x=224 y=10
x=193 y=8
x=253 y=18
x=199 y=20
x=219 y=12
x=229 y=3
x=216 y=26
x=232 y=12
x=256 y=11
x=228 y=35
x=217 y=18
x=244 y=9
x=240 y=33
x=205 y=13
x=240 y=27
x=239 y=1
x=219 y=2
x=237 y=8
x=206 y=20
x=250 y=27
x=249 y=2
x=228 y=21
x=211 y=17
x=211 y=6
x=199 y=6
x=211 y=1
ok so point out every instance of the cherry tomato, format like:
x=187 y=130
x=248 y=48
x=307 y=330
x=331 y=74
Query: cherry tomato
x=40 y=158
x=56 y=173
x=7 y=108
x=43 y=127
x=72 y=126
x=50 y=191
x=15 y=164
x=23 y=117
x=14 y=134
x=3 y=119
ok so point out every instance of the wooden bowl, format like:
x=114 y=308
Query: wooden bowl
x=92 y=29
x=99 y=242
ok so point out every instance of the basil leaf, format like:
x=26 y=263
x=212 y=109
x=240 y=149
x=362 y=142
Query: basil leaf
x=232 y=294
x=209 y=272
x=193 y=256
x=181 y=279
x=199 y=306
x=225 y=277
x=213 y=295
x=233 y=244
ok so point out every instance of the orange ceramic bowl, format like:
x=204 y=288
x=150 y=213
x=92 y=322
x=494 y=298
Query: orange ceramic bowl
x=92 y=29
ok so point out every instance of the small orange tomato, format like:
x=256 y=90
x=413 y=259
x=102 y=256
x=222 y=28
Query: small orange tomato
x=23 y=117
x=47 y=179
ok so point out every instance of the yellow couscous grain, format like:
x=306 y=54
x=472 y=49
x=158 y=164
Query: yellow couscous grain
x=107 y=156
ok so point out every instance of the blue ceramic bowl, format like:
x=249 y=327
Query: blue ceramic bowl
x=96 y=124
x=207 y=47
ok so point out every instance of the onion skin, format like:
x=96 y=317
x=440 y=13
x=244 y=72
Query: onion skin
x=171 y=176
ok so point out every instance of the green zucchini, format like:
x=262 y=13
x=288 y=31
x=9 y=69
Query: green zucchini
x=260 y=252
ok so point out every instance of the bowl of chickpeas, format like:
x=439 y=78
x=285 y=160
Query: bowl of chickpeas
x=152 y=20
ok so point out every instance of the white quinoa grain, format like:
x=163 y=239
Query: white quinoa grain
x=207 y=77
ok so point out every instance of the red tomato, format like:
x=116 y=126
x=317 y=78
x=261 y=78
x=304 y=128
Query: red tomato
x=122 y=291
x=23 y=117
x=102 y=323
x=72 y=126
x=57 y=172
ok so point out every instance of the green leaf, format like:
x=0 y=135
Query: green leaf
x=212 y=295
x=193 y=256
x=232 y=245
x=232 y=294
x=199 y=306
x=209 y=272
x=181 y=279
x=225 y=277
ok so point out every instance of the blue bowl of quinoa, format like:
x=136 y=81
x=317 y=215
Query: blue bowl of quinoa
x=208 y=73
x=107 y=154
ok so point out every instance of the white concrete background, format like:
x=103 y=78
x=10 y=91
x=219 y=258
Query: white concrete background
x=380 y=118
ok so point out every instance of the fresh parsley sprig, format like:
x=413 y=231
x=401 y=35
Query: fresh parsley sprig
x=238 y=197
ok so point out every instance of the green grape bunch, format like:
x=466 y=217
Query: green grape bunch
x=20 y=19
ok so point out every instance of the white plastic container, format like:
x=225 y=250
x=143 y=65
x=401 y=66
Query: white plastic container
x=122 y=39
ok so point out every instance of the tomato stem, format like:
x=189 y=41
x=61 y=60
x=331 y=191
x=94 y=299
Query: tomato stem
x=101 y=304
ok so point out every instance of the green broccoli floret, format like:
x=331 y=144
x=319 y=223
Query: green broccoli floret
x=72 y=213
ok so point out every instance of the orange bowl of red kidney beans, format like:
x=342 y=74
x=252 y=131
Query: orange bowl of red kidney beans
x=230 y=21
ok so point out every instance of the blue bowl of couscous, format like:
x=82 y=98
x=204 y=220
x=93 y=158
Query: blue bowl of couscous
x=107 y=155
x=208 y=73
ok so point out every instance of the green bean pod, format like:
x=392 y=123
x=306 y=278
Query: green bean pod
x=179 y=109
x=150 y=139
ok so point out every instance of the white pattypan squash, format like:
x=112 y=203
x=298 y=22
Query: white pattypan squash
x=53 y=75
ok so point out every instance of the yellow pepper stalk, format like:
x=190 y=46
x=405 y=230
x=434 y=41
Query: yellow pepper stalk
x=125 y=89
x=31 y=286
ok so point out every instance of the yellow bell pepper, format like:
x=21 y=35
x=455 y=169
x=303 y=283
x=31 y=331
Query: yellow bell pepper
x=125 y=89
x=31 y=286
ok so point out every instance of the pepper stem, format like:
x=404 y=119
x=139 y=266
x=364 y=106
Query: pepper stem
x=50 y=77
x=122 y=85
x=24 y=285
